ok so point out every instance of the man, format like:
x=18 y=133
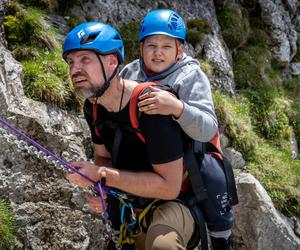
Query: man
x=151 y=170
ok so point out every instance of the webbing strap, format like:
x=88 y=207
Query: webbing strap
x=116 y=146
x=197 y=184
x=201 y=226
x=133 y=111
x=231 y=186
x=95 y=114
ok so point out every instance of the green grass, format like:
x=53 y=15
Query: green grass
x=7 y=226
x=34 y=43
x=27 y=27
x=279 y=174
x=271 y=164
x=46 y=79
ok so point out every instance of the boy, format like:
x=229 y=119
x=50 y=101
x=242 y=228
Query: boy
x=162 y=59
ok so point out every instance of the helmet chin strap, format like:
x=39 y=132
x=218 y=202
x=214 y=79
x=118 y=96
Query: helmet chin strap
x=106 y=84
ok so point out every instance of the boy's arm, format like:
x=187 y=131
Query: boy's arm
x=198 y=118
x=194 y=111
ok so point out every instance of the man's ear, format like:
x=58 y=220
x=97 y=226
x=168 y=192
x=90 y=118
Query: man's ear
x=113 y=59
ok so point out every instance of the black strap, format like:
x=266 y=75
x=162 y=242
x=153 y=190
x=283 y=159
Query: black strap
x=231 y=186
x=200 y=231
x=191 y=163
x=116 y=146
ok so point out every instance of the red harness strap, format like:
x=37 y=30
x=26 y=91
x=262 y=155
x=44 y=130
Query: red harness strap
x=133 y=110
x=95 y=114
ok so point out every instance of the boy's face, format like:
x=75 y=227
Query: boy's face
x=160 y=52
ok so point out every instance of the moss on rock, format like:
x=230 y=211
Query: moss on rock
x=196 y=29
x=129 y=33
x=234 y=25
x=7 y=226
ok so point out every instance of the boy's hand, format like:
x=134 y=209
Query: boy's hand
x=90 y=170
x=160 y=102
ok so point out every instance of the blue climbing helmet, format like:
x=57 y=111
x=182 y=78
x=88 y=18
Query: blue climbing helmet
x=162 y=22
x=95 y=36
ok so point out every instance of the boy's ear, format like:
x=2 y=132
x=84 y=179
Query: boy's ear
x=180 y=50
x=141 y=49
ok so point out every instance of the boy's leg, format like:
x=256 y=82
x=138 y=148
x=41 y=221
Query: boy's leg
x=216 y=209
x=171 y=227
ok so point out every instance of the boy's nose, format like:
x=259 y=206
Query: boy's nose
x=157 y=51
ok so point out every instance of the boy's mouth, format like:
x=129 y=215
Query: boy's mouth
x=157 y=60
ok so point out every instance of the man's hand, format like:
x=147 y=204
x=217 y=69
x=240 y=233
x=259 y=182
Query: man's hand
x=160 y=102
x=95 y=204
x=88 y=169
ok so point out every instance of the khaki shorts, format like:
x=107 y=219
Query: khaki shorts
x=171 y=227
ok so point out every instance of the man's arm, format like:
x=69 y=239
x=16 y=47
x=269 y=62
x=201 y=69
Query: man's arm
x=101 y=156
x=163 y=183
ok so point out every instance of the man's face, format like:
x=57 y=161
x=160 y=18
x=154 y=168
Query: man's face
x=85 y=72
x=160 y=52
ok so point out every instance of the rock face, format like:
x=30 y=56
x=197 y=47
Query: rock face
x=50 y=212
x=278 y=18
x=258 y=225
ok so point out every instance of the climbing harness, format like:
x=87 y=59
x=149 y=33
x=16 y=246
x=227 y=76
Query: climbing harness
x=44 y=154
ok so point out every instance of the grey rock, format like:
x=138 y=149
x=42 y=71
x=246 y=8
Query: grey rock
x=258 y=225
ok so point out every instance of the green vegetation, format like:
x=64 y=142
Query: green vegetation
x=235 y=26
x=265 y=112
x=50 y=5
x=129 y=34
x=196 y=29
x=7 y=226
x=264 y=159
x=34 y=43
x=28 y=28
x=47 y=80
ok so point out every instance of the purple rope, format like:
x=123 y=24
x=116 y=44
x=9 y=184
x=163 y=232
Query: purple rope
x=47 y=152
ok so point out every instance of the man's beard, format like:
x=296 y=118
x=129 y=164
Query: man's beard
x=86 y=93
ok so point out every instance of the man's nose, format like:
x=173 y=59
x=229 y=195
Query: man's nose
x=75 y=69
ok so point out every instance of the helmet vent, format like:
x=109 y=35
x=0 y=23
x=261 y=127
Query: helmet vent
x=90 y=38
x=176 y=22
x=117 y=37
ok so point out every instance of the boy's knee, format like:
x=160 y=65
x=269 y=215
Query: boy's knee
x=164 y=238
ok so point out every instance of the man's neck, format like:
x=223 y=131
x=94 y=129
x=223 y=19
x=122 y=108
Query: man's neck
x=119 y=89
